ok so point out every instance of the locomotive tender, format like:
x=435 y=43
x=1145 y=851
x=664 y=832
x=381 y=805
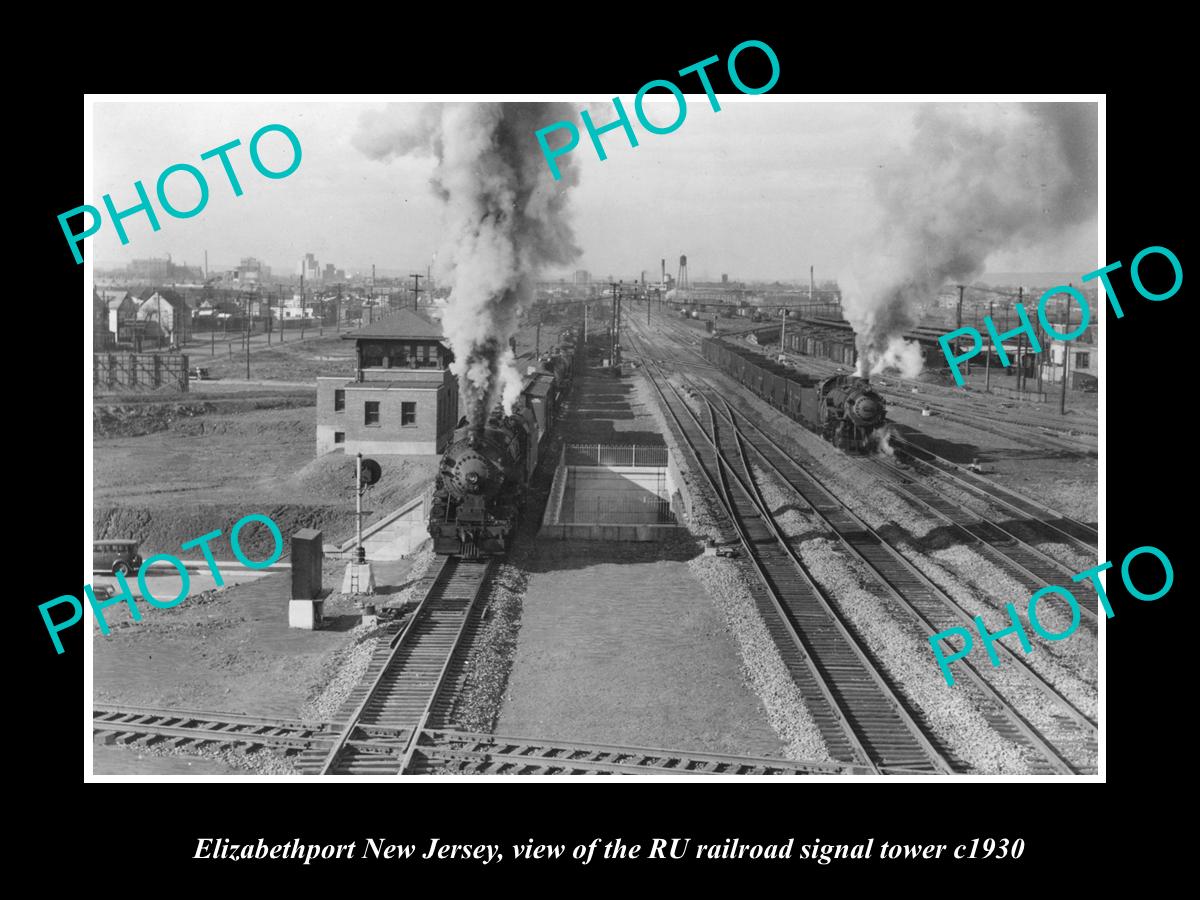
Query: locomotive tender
x=842 y=408
x=479 y=491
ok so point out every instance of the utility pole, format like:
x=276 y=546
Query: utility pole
x=337 y=311
x=416 y=291
x=247 y=337
x=585 y=318
x=617 y=333
x=1020 y=338
x=537 y=346
x=1062 y=401
x=783 y=330
x=958 y=340
x=612 y=327
x=812 y=286
x=987 y=371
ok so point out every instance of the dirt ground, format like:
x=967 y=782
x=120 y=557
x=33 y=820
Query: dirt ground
x=226 y=651
x=207 y=470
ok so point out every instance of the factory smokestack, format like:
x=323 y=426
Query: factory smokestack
x=978 y=178
x=506 y=219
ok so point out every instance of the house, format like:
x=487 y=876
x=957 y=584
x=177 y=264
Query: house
x=403 y=399
x=1083 y=364
x=159 y=315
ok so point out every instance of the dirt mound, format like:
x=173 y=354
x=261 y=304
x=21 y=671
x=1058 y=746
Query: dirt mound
x=247 y=426
x=144 y=418
x=132 y=419
x=164 y=530
x=331 y=478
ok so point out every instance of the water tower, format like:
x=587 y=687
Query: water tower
x=681 y=283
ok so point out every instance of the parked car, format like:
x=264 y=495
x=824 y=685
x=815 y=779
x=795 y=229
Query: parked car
x=199 y=374
x=115 y=555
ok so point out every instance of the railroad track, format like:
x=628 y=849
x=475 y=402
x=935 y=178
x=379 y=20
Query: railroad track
x=1034 y=517
x=198 y=730
x=1070 y=749
x=999 y=543
x=862 y=718
x=469 y=753
x=435 y=750
x=403 y=686
x=1063 y=528
x=1071 y=746
x=1046 y=433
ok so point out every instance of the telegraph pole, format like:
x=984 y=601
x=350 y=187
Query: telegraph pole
x=612 y=327
x=958 y=340
x=987 y=372
x=247 y=337
x=1062 y=400
x=416 y=291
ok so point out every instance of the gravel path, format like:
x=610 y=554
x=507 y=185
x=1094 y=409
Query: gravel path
x=342 y=674
x=762 y=666
x=478 y=703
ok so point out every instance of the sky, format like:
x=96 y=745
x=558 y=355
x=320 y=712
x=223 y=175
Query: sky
x=760 y=190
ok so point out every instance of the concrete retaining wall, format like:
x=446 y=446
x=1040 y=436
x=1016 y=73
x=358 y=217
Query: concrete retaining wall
x=607 y=532
x=393 y=537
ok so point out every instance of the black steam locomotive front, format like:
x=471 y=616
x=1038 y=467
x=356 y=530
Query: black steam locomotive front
x=477 y=492
x=850 y=411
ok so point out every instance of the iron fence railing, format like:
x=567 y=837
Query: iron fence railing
x=628 y=455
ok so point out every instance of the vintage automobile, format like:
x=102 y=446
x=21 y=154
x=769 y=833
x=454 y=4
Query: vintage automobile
x=114 y=555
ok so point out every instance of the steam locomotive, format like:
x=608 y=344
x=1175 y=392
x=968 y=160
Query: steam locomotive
x=842 y=408
x=479 y=491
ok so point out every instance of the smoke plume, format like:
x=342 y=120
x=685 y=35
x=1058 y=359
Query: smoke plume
x=506 y=219
x=977 y=179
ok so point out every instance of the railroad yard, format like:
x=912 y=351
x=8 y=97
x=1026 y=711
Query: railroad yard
x=773 y=619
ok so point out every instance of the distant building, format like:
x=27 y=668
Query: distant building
x=331 y=274
x=152 y=269
x=252 y=271
x=120 y=306
x=403 y=398
x=1084 y=364
x=160 y=317
x=310 y=269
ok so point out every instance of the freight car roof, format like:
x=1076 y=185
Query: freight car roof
x=767 y=364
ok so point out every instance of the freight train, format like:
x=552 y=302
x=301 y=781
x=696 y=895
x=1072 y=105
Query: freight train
x=483 y=477
x=842 y=408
